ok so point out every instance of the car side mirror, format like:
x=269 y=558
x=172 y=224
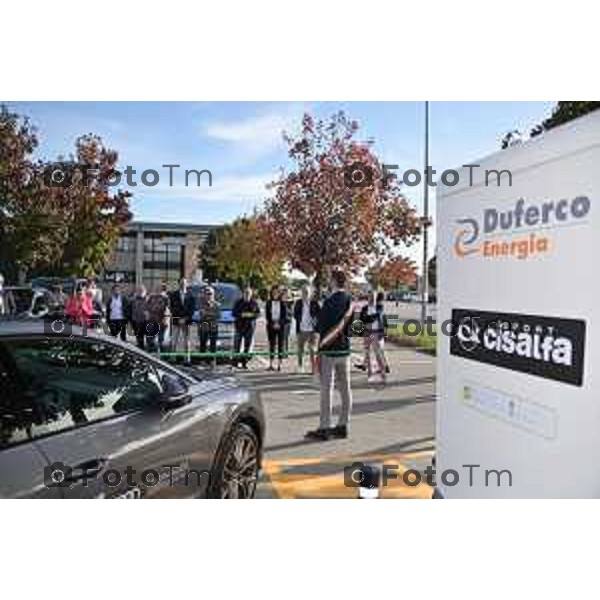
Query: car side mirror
x=175 y=391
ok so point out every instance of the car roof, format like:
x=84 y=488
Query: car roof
x=38 y=327
x=13 y=327
x=10 y=327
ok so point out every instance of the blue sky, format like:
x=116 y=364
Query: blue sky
x=241 y=143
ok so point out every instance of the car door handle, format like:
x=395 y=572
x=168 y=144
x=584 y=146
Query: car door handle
x=86 y=470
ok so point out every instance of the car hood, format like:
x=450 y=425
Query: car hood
x=212 y=379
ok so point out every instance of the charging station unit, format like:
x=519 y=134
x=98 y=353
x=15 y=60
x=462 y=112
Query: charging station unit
x=517 y=324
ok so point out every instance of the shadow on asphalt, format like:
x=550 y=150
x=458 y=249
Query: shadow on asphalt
x=287 y=382
x=365 y=408
x=288 y=445
x=424 y=444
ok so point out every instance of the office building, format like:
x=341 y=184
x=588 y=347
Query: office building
x=155 y=253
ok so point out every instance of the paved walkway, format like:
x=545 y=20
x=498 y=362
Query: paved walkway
x=395 y=426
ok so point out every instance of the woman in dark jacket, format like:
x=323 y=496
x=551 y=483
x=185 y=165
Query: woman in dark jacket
x=278 y=318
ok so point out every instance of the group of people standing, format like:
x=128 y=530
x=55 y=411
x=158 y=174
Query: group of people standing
x=279 y=313
x=148 y=315
x=83 y=306
x=323 y=329
x=152 y=315
x=180 y=312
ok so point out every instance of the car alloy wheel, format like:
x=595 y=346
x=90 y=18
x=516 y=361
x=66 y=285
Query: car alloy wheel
x=238 y=474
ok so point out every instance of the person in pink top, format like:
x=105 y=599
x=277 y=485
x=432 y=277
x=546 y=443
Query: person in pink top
x=79 y=307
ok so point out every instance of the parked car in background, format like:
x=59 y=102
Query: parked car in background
x=68 y=284
x=75 y=408
x=25 y=301
x=18 y=299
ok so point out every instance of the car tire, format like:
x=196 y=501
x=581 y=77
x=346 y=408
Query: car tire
x=235 y=474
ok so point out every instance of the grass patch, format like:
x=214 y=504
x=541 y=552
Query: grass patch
x=424 y=342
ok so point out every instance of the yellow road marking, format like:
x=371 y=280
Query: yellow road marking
x=288 y=482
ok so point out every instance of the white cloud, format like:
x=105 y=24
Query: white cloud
x=251 y=188
x=245 y=187
x=258 y=135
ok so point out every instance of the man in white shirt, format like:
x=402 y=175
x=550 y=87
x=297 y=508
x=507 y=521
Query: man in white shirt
x=306 y=311
x=117 y=312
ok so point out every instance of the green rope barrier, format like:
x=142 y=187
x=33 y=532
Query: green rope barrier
x=288 y=354
x=225 y=354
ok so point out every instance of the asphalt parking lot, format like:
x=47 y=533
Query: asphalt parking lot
x=394 y=425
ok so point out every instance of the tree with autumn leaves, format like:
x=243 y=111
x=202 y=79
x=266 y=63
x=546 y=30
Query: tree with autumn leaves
x=563 y=112
x=321 y=215
x=49 y=228
x=392 y=273
x=243 y=252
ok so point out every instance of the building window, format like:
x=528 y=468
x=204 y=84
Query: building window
x=126 y=242
x=163 y=258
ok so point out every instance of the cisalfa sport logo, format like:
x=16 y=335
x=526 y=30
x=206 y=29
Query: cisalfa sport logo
x=541 y=345
x=519 y=232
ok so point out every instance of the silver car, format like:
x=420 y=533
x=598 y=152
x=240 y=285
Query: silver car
x=83 y=415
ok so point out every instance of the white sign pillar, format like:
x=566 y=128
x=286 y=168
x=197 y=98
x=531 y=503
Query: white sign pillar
x=518 y=291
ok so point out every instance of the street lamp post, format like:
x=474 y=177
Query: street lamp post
x=425 y=224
